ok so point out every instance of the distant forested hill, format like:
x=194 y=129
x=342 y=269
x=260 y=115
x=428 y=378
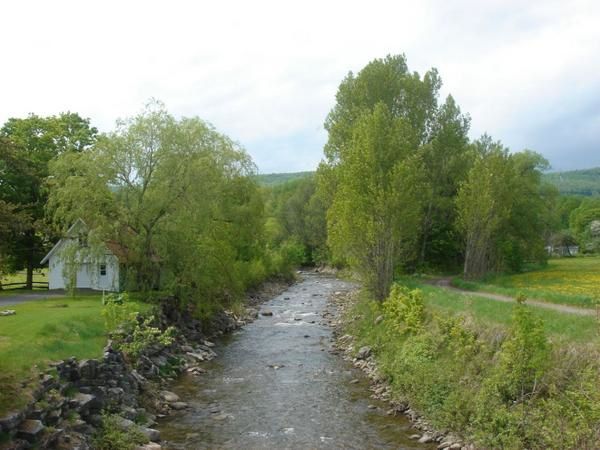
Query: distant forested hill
x=273 y=179
x=573 y=182
x=576 y=182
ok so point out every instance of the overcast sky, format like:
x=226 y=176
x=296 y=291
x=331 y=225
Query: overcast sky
x=266 y=73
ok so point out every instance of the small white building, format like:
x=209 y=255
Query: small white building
x=101 y=272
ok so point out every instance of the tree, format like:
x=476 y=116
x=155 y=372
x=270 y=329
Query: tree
x=27 y=147
x=373 y=220
x=583 y=223
x=176 y=194
x=503 y=209
x=12 y=223
x=297 y=213
x=447 y=158
x=483 y=203
x=384 y=131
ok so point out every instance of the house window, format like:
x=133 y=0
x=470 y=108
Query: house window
x=102 y=270
x=82 y=240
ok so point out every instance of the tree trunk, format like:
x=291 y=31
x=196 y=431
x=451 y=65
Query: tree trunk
x=29 y=282
x=426 y=225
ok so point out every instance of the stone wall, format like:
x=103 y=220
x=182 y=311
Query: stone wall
x=71 y=395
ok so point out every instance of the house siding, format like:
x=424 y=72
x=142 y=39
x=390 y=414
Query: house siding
x=88 y=274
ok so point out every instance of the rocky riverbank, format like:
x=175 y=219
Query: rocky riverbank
x=70 y=398
x=364 y=359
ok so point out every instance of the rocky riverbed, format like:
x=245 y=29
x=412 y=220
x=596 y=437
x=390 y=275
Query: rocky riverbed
x=280 y=382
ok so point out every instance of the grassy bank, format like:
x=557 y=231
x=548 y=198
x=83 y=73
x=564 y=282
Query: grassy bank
x=569 y=281
x=490 y=370
x=43 y=331
x=488 y=313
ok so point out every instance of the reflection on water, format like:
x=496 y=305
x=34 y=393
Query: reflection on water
x=275 y=386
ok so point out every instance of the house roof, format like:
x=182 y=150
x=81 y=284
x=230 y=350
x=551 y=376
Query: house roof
x=78 y=222
x=122 y=252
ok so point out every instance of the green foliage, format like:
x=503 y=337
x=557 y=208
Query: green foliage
x=179 y=198
x=524 y=357
x=584 y=222
x=112 y=435
x=27 y=146
x=502 y=388
x=502 y=210
x=117 y=310
x=296 y=212
x=404 y=309
x=142 y=334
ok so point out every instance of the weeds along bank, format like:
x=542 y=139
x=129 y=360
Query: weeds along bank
x=497 y=387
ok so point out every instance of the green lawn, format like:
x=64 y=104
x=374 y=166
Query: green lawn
x=561 y=326
x=44 y=331
x=570 y=281
x=40 y=275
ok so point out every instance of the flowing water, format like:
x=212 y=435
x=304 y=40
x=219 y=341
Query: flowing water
x=275 y=385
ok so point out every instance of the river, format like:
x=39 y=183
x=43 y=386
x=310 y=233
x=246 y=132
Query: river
x=276 y=385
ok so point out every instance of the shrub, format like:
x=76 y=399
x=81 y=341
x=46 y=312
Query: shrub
x=117 y=310
x=405 y=309
x=143 y=335
x=524 y=356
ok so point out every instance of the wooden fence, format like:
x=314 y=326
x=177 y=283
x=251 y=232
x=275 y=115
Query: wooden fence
x=23 y=285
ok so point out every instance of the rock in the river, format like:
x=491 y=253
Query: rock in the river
x=364 y=352
x=266 y=313
x=178 y=406
x=426 y=438
x=151 y=434
x=170 y=397
x=355 y=381
x=149 y=446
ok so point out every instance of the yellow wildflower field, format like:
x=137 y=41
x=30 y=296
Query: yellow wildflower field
x=563 y=278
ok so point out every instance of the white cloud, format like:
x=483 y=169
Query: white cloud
x=266 y=72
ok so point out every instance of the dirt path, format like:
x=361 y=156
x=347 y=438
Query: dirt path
x=445 y=283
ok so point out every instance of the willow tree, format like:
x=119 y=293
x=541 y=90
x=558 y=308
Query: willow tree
x=176 y=196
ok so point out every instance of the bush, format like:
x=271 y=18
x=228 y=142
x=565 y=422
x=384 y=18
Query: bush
x=117 y=310
x=509 y=390
x=143 y=335
x=405 y=309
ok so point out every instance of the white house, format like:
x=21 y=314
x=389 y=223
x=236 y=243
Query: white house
x=100 y=272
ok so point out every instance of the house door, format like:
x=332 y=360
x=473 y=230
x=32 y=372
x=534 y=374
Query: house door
x=84 y=276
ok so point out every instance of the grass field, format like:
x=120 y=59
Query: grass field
x=40 y=275
x=560 y=326
x=569 y=281
x=44 y=331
